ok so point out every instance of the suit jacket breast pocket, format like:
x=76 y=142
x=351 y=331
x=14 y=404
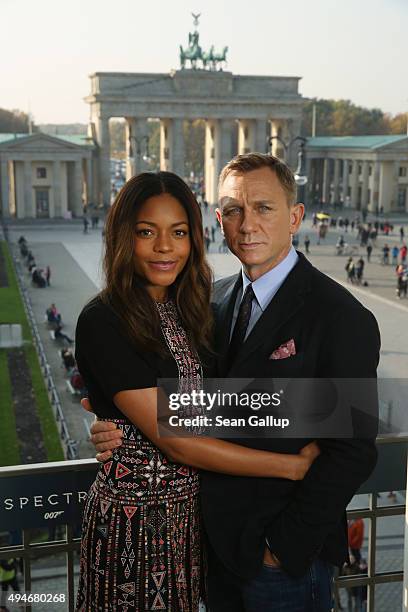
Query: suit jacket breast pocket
x=285 y=368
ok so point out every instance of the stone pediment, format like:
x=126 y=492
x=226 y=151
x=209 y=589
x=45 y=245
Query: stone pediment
x=400 y=146
x=39 y=142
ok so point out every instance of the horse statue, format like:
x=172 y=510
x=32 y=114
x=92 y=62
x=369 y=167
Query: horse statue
x=193 y=53
x=208 y=57
x=219 y=58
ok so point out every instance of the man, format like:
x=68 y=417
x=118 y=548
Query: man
x=272 y=543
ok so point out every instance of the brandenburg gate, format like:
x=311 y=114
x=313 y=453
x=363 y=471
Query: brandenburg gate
x=256 y=106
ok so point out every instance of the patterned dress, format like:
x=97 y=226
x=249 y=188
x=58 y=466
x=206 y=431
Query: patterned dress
x=141 y=540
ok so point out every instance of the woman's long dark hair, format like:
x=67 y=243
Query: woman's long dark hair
x=125 y=291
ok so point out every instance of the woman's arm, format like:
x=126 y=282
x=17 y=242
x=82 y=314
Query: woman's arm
x=140 y=407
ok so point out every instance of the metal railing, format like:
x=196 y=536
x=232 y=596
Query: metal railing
x=70 y=446
x=372 y=513
x=28 y=551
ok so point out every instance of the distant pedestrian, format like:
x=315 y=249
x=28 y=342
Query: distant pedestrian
x=386 y=254
x=59 y=335
x=360 y=271
x=207 y=239
x=364 y=235
x=53 y=316
x=369 y=250
x=355 y=537
x=402 y=280
x=350 y=270
x=223 y=248
x=8 y=578
x=48 y=275
x=402 y=234
x=68 y=359
x=213 y=233
x=346 y=223
x=307 y=244
x=394 y=254
x=86 y=223
x=403 y=253
x=322 y=231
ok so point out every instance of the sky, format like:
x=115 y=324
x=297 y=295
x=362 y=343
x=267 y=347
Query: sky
x=350 y=49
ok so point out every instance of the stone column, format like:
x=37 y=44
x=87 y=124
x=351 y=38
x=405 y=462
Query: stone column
x=172 y=148
x=130 y=144
x=291 y=131
x=245 y=137
x=260 y=144
x=104 y=174
x=345 y=181
x=223 y=149
x=56 y=187
x=276 y=147
x=178 y=150
x=141 y=144
x=29 y=206
x=76 y=196
x=5 y=188
x=354 y=184
x=210 y=180
x=375 y=191
x=336 y=181
x=394 y=192
x=251 y=136
x=218 y=151
x=165 y=144
x=326 y=180
x=88 y=180
x=364 y=187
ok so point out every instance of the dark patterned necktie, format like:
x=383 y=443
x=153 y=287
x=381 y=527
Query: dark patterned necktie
x=241 y=324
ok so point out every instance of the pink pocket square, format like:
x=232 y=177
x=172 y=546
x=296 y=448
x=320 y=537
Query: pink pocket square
x=287 y=349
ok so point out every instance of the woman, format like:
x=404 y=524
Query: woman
x=141 y=544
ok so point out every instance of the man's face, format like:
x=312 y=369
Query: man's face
x=256 y=220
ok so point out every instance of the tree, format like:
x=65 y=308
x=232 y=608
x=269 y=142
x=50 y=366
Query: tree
x=398 y=123
x=343 y=118
x=14 y=121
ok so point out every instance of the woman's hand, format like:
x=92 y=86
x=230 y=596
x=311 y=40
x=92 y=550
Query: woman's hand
x=305 y=459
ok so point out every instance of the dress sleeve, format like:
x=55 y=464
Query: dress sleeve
x=106 y=356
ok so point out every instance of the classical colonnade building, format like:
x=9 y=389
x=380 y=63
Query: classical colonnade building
x=44 y=176
x=362 y=172
x=258 y=106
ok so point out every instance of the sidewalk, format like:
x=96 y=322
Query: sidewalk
x=70 y=289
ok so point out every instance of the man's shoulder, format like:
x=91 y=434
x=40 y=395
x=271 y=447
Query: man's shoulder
x=331 y=298
x=221 y=286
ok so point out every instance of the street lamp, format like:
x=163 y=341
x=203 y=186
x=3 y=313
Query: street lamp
x=300 y=172
x=139 y=142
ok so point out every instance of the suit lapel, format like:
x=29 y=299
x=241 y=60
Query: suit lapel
x=225 y=310
x=284 y=305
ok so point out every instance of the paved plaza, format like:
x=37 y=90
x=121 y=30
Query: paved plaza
x=75 y=260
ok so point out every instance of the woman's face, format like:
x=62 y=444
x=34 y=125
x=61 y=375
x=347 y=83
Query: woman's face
x=162 y=243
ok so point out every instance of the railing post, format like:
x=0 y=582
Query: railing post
x=405 y=568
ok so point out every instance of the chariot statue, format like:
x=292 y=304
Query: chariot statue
x=194 y=53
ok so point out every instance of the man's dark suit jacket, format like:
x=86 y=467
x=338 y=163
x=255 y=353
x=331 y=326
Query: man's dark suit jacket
x=335 y=336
